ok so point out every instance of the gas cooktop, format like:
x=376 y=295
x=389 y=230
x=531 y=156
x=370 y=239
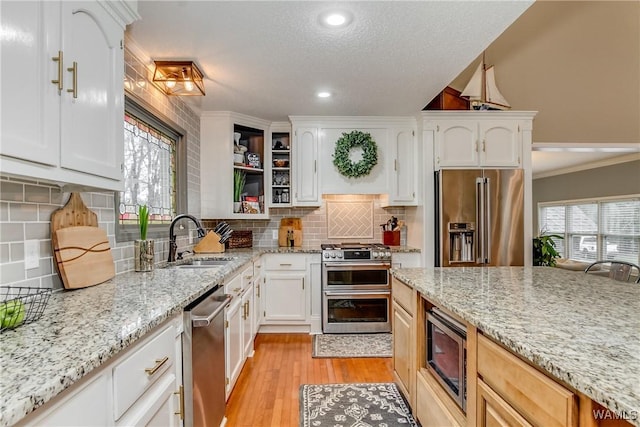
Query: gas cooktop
x=349 y=245
x=355 y=252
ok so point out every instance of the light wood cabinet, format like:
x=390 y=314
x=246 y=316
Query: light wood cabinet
x=534 y=396
x=66 y=125
x=493 y=411
x=403 y=329
x=430 y=408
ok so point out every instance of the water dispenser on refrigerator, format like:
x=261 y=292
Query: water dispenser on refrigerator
x=461 y=242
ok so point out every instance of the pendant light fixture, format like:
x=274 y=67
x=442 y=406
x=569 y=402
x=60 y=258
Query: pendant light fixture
x=182 y=78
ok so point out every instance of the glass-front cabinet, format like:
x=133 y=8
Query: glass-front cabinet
x=280 y=165
x=234 y=163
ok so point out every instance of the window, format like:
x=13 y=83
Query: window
x=153 y=175
x=595 y=229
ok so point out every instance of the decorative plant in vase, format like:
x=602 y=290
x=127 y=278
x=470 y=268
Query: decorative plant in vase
x=143 y=248
x=544 y=250
x=239 y=178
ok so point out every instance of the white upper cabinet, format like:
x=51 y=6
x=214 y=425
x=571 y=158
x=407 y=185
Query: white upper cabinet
x=305 y=177
x=500 y=144
x=456 y=143
x=470 y=139
x=93 y=101
x=62 y=91
x=403 y=176
x=30 y=101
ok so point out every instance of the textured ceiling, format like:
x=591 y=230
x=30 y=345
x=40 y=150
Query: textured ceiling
x=268 y=59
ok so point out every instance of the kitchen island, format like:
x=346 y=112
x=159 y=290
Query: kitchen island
x=579 y=329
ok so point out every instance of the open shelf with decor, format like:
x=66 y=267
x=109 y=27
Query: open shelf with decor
x=235 y=166
x=280 y=168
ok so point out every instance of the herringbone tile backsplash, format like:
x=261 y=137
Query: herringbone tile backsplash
x=349 y=219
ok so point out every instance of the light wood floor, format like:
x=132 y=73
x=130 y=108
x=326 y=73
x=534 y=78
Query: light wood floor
x=266 y=394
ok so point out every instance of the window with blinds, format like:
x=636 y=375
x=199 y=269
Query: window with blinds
x=595 y=229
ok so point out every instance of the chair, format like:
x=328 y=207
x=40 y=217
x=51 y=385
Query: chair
x=618 y=270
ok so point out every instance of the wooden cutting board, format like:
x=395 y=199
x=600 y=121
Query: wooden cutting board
x=83 y=256
x=81 y=249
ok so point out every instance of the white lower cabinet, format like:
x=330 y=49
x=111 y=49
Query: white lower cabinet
x=286 y=293
x=233 y=343
x=239 y=325
x=285 y=297
x=86 y=405
x=140 y=387
x=247 y=322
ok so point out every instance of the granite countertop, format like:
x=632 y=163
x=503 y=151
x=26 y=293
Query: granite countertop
x=82 y=329
x=582 y=329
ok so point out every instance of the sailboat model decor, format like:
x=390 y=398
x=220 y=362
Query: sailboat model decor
x=482 y=92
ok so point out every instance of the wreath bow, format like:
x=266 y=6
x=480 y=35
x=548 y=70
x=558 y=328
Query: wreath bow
x=344 y=145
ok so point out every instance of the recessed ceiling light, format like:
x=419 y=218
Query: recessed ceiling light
x=336 y=19
x=324 y=94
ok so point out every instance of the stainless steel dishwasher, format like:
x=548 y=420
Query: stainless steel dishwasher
x=203 y=359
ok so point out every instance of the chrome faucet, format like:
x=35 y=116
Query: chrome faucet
x=173 y=246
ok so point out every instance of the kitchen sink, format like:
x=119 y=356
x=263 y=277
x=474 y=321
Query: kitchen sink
x=205 y=263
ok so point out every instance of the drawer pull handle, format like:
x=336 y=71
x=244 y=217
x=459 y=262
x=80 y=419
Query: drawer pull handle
x=285 y=264
x=180 y=393
x=158 y=365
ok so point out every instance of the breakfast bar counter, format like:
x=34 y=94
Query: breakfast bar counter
x=580 y=329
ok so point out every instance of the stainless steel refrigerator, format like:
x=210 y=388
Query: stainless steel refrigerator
x=479 y=217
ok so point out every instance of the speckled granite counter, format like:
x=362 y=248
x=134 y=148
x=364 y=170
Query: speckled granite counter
x=583 y=330
x=82 y=329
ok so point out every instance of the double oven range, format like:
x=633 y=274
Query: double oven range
x=356 y=288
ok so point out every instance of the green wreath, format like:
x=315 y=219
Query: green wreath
x=344 y=145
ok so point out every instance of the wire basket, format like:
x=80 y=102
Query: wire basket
x=20 y=305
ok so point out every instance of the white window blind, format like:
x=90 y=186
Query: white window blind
x=595 y=229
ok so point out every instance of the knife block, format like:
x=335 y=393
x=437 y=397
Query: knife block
x=210 y=244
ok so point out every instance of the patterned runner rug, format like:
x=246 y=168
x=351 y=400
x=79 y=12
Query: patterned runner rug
x=373 y=405
x=352 y=345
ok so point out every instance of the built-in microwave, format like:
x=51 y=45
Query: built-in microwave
x=446 y=354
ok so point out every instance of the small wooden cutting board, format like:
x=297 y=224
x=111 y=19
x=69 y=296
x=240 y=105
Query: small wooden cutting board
x=81 y=249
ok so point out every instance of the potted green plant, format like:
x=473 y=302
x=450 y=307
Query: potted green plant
x=143 y=248
x=544 y=250
x=239 y=178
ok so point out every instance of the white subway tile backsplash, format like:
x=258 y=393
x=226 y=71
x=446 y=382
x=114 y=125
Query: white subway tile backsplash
x=37 y=194
x=23 y=212
x=12 y=232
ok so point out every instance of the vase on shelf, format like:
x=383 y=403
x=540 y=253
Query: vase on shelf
x=143 y=255
x=237 y=207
